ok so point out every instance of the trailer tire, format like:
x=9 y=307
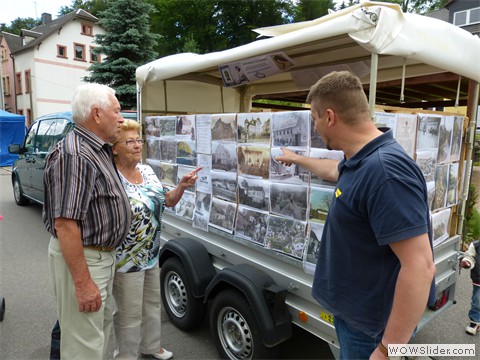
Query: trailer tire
x=235 y=329
x=185 y=311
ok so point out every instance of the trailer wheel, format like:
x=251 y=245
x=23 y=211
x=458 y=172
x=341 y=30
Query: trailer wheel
x=235 y=329
x=185 y=311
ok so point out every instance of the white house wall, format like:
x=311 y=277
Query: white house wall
x=53 y=78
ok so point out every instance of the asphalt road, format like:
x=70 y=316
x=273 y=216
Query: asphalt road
x=30 y=310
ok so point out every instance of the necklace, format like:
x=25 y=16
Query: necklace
x=135 y=177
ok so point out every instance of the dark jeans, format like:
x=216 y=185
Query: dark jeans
x=55 y=342
x=354 y=344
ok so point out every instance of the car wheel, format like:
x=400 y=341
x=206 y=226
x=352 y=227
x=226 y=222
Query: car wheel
x=184 y=310
x=20 y=199
x=235 y=330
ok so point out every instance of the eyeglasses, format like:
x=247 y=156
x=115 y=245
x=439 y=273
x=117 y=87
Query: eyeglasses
x=133 y=142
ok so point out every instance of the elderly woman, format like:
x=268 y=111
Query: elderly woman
x=136 y=286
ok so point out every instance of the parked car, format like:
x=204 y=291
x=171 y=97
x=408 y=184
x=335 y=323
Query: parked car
x=43 y=134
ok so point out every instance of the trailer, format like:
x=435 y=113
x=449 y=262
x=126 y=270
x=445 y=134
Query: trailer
x=252 y=294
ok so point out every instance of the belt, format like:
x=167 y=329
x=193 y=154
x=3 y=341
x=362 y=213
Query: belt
x=99 y=248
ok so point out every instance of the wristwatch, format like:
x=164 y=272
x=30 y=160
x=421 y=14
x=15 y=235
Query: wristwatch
x=383 y=349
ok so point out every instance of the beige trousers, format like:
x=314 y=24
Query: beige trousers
x=137 y=321
x=84 y=335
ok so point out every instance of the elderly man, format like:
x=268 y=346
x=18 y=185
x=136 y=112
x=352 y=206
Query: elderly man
x=88 y=214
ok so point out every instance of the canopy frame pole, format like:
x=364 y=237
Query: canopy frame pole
x=457 y=99
x=373 y=84
x=402 y=91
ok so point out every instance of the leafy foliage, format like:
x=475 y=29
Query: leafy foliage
x=94 y=7
x=127 y=44
x=18 y=24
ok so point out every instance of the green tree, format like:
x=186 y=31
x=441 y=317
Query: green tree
x=312 y=9
x=18 y=24
x=214 y=25
x=411 y=6
x=93 y=7
x=127 y=44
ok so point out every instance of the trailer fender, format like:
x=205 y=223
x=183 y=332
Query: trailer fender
x=196 y=260
x=266 y=299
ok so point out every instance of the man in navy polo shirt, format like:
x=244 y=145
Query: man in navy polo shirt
x=375 y=268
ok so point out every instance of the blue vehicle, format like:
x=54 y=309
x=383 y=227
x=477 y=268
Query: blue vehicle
x=43 y=134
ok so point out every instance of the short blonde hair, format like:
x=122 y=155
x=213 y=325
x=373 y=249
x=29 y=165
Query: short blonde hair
x=341 y=91
x=128 y=125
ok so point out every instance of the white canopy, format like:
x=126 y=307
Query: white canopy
x=408 y=44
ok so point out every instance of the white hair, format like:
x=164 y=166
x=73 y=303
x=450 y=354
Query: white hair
x=86 y=97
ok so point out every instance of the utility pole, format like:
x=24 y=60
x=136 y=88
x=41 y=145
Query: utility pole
x=2 y=96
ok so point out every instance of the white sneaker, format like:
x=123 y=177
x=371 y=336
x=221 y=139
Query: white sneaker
x=165 y=355
x=471 y=329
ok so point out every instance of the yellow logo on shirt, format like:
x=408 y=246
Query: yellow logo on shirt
x=338 y=193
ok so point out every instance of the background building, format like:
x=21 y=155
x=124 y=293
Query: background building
x=48 y=62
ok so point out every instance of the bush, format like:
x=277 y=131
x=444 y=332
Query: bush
x=472 y=217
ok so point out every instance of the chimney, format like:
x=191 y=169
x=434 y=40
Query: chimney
x=46 y=18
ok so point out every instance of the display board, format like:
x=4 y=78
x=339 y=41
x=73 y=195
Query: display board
x=242 y=190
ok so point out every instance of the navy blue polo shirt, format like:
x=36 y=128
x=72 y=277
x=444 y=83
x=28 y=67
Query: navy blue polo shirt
x=380 y=198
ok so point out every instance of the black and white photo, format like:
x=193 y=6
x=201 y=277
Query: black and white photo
x=222 y=215
x=289 y=200
x=251 y=224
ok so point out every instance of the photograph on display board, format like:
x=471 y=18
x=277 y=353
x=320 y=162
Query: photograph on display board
x=456 y=137
x=445 y=140
x=168 y=150
x=427 y=162
x=251 y=224
x=254 y=127
x=167 y=125
x=153 y=148
x=185 y=127
x=182 y=170
x=312 y=248
x=440 y=226
x=224 y=127
x=254 y=160
x=452 y=192
x=441 y=185
x=428 y=131
x=224 y=185
x=204 y=133
x=152 y=127
x=430 y=194
x=324 y=154
x=202 y=210
x=406 y=133
x=168 y=173
x=204 y=181
x=315 y=140
x=222 y=215
x=289 y=200
x=294 y=174
x=186 y=152
x=155 y=165
x=320 y=200
x=186 y=206
x=254 y=192
x=386 y=120
x=224 y=156
x=291 y=128
x=286 y=235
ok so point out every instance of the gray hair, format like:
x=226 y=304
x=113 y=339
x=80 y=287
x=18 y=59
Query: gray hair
x=86 y=97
